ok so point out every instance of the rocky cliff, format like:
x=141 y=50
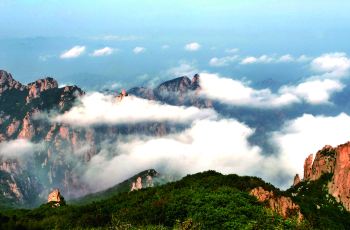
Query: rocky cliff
x=178 y=91
x=21 y=109
x=336 y=162
x=283 y=205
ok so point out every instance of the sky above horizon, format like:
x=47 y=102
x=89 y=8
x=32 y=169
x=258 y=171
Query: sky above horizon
x=137 y=41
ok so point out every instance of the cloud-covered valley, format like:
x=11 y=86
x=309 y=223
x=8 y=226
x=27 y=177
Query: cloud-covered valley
x=228 y=137
x=212 y=140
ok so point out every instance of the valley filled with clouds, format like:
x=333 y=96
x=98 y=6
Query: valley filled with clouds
x=274 y=99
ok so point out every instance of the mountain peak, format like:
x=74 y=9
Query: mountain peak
x=7 y=82
x=39 y=86
x=180 y=84
x=335 y=162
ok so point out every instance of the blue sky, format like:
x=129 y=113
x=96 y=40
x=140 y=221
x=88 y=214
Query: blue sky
x=35 y=33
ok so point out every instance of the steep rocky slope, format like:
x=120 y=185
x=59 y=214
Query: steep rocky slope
x=178 y=91
x=336 y=162
x=63 y=146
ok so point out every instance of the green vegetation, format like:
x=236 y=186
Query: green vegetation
x=206 y=200
x=331 y=152
x=318 y=206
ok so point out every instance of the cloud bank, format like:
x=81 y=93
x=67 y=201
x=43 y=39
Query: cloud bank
x=332 y=65
x=209 y=144
x=221 y=145
x=235 y=92
x=74 y=52
x=314 y=91
x=18 y=149
x=97 y=108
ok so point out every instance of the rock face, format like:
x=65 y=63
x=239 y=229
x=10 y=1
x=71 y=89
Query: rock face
x=280 y=204
x=54 y=196
x=178 y=91
x=21 y=107
x=340 y=184
x=136 y=185
x=308 y=166
x=8 y=83
x=296 y=180
x=18 y=186
x=337 y=162
x=39 y=86
x=144 y=180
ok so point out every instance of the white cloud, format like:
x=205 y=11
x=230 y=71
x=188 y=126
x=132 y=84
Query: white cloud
x=164 y=47
x=103 y=52
x=224 y=61
x=314 y=91
x=18 y=148
x=97 y=108
x=332 y=65
x=232 y=51
x=219 y=145
x=138 y=50
x=308 y=134
x=235 y=92
x=74 y=52
x=193 y=46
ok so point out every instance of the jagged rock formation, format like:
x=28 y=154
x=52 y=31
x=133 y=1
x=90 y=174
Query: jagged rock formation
x=147 y=178
x=335 y=161
x=308 y=166
x=21 y=107
x=340 y=184
x=55 y=197
x=8 y=83
x=178 y=91
x=136 y=185
x=296 y=180
x=39 y=86
x=281 y=204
